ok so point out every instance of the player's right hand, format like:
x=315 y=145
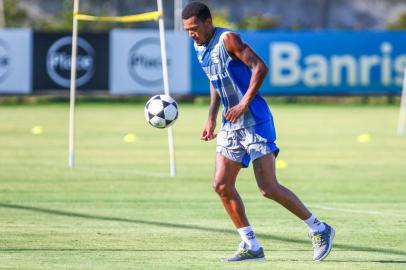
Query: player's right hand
x=208 y=132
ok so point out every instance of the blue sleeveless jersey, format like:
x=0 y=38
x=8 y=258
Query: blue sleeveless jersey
x=231 y=78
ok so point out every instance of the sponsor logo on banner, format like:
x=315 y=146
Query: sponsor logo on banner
x=290 y=67
x=59 y=58
x=324 y=62
x=136 y=62
x=4 y=60
x=145 y=64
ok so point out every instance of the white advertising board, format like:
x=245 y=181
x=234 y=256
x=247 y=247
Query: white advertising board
x=135 y=62
x=15 y=61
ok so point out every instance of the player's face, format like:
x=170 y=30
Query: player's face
x=198 y=30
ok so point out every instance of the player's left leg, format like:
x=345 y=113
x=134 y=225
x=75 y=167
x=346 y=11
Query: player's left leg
x=321 y=233
x=264 y=169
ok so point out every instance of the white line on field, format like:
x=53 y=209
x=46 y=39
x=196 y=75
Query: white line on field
x=368 y=212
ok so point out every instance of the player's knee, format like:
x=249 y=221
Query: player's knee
x=221 y=189
x=272 y=193
x=267 y=193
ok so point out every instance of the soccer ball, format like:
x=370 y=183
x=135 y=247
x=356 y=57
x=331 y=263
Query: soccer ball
x=161 y=111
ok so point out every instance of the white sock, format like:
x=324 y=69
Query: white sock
x=314 y=224
x=248 y=237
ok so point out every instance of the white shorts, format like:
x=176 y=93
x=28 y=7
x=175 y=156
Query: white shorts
x=246 y=144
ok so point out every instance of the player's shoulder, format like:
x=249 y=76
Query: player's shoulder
x=226 y=33
x=228 y=36
x=232 y=41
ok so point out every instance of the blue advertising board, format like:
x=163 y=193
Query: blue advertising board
x=324 y=63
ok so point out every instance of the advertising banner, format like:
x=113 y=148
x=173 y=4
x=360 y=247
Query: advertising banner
x=325 y=63
x=15 y=61
x=136 y=66
x=52 y=61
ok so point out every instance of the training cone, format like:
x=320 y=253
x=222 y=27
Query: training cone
x=364 y=138
x=37 y=130
x=129 y=138
x=281 y=164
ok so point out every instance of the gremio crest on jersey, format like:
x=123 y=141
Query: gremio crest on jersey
x=215 y=57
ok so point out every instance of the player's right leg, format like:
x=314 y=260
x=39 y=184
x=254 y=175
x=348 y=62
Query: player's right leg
x=225 y=176
x=224 y=184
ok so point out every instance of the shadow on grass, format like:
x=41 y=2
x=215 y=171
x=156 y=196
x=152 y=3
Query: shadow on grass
x=369 y=261
x=201 y=228
x=388 y=261
x=108 y=250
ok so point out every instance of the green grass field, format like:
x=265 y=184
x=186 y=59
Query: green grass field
x=119 y=209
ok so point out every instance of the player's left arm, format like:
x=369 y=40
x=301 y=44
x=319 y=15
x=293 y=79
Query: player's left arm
x=238 y=49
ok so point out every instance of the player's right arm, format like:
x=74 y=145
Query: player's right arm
x=208 y=130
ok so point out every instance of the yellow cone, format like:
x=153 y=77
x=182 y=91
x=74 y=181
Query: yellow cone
x=130 y=138
x=364 y=138
x=37 y=130
x=281 y=164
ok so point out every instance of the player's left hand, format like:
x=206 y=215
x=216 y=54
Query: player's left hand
x=235 y=112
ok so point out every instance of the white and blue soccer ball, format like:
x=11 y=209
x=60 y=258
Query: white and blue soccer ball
x=161 y=111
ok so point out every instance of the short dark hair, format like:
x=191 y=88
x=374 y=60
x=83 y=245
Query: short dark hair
x=198 y=9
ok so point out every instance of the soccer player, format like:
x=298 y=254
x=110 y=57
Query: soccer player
x=247 y=131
